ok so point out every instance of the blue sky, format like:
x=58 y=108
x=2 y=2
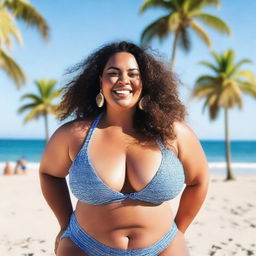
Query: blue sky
x=78 y=27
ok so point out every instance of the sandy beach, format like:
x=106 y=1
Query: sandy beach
x=225 y=226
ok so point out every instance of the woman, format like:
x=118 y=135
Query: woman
x=21 y=166
x=128 y=153
x=8 y=170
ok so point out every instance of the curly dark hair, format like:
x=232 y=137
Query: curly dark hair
x=159 y=86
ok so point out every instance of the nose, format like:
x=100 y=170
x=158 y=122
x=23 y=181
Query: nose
x=123 y=79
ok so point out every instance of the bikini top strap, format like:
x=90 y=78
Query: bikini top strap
x=161 y=145
x=95 y=123
x=92 y=128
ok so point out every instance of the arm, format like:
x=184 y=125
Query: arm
x=195 y=166
x=53 y=170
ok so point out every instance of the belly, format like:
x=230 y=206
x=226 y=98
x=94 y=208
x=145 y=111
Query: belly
x=125 y=225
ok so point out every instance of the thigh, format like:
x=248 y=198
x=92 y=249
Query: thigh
x=68 y=248
x=177 y=247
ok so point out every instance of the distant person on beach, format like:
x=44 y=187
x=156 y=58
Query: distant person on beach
x=21 y=166
x=128 y=153
x=8 y=170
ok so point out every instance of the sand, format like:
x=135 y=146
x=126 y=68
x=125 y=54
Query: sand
x=226 y=224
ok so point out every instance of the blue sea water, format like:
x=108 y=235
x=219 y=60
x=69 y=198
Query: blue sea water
x=13 y=149
x=243 y=152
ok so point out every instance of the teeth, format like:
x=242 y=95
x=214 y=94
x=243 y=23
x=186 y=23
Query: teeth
x=122 y=92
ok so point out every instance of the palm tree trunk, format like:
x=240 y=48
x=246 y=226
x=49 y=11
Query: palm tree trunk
x=230 y=175
x=174 y=48
x=46 y=126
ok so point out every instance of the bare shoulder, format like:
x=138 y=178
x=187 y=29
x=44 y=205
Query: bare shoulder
x=183 y=129
x=77 y=132
x=185 y=137
x=67 y=132
x=73 y=129
x=57 y=156
x=190 y=153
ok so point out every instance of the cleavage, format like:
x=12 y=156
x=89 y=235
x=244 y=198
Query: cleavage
x=123 y=167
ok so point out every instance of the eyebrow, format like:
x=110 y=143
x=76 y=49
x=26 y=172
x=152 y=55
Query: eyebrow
x=130 y=69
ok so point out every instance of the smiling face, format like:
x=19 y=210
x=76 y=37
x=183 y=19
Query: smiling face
x=121 y=82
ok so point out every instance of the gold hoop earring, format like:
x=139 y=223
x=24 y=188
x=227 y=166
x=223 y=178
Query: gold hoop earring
x=100 y=99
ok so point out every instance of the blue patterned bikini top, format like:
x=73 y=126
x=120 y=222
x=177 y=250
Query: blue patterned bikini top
x=88 y=187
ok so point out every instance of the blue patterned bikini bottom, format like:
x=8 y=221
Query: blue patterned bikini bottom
x=94 y=248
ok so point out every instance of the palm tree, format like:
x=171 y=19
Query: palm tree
x=224 y=90
x=181 y=18
x=24 y=11
x=41 y=105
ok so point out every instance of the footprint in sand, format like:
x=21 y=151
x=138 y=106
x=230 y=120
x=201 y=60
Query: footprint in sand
x=249 y=252
x=214 y=249
x=234 y=211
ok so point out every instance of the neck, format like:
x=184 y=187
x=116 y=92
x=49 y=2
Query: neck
x=121 y=118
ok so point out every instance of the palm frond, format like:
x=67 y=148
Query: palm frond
x=152 y=4
x=45 y=87
x=217 y=57
x=25 y=12
x=8 y=29
x=248 y=88
x=228 y=59
x=201 y=33
x=235 y=68
x=12 y=69
x=52 y=110
x=174 y=21
x=41 y=104
x=204 y=90
x=195 y=6
x=231 y=95
x=245 y=73
x=214 y=22
x=54 y=95
x=50 y=87
x=229 y=81
x=213 y=3
x=33 y=97
x=209 y=65
x=26 y=107
x=177 y=4
x=205 y=79
x=40 y=84
x=35 y=113
x=158 y=28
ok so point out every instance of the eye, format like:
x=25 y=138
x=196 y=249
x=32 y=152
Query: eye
x=113 y=74
x=133 y=75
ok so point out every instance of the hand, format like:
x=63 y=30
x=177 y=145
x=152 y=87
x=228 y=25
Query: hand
x=57 y=240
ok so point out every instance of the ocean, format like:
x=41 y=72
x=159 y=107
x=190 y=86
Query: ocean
x=243 y=153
